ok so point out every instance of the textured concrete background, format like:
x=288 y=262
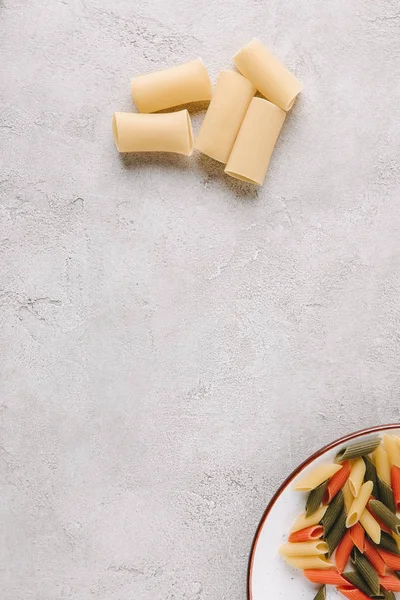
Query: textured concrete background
x=174 y=342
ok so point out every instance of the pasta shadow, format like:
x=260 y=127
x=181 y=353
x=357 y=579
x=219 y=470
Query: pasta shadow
x=162 y=160
x=213 y=170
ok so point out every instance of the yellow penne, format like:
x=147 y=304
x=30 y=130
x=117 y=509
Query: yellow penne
x=348 y=497
x=303 y=521
x=309 y=562
x=393 y=449
x=371 y=526
x=300 y=549
x=356 y=476
x=316 y=477
x=359 y=504
x=382 y=464
x=396 y=538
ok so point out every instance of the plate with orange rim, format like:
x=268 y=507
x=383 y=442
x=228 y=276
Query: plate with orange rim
x=268 y=574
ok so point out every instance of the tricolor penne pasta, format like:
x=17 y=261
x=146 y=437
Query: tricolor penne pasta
x=349 y=534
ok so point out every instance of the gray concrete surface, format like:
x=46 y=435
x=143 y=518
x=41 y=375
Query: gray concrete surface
x=174 y=342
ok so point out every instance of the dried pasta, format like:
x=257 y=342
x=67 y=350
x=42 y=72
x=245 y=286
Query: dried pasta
x=359 y=504
x=316 y=477
x=357 y=476
x=311 y=548
x=172 y=87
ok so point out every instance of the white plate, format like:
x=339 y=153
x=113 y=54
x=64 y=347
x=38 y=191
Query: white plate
x=269 y=576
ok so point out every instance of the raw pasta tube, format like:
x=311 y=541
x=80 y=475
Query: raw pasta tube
x=311 y=548
x=357 y=476
x=358 y=506
x=309 y=562
x=224 y=116
x=171 y=87
x=302 y=522
x=255 y=142
x=315 y=477
x=382 y=464
x=268 y=74
x=170 y=132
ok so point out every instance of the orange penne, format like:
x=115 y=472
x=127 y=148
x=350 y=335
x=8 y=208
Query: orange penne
x=309 y=533
x=395 y=479
x=343 y=551
x=390 y=582
x=337 y=482
x=358 y=536
x=353 y=593
x=392 y=560
x=375 y=558
x=327 y=576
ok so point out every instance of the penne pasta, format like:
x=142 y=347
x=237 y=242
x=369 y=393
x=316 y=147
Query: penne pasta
x=308 y=562
x=396 y=539
x=333 y=511
x=375 y=558
x=302 y=522
x=355 y=579
x=371 y=526
x=358 y=449
x=367 y=571
x=395 y=480
x=386 y=515
x=300 y=549
x=386 y=495
x=393 y=449
x=317 y=476
x=382 y=464
x=390 y=582
x=391 y=560
x=337 y=482
x=370 y=475
x=388 y=543
x=356 y=476
x=315 y=498
x=309 y=533
x=347 y=496
x=343 y=552
x=359 y=503
x=185 y=83
x=357 y=534
x=336 y=533
x=329 y=577
x=321 y=594
x=353 y=593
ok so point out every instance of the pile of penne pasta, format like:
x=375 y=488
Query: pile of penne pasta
x=239 y=129
x=350 y=519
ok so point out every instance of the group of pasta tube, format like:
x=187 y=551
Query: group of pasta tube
x=239 y=129
x=351 y=516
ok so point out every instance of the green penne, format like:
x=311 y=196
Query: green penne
x=336 y=533
x=321 y=594
x=357 y=449
x=332 y=513
x=388 y=543
x=315 y=498
x=367 y=571
x=386 y=515
x=371 y=475
x=355 y=579
x=386 y=495
x=389 y=596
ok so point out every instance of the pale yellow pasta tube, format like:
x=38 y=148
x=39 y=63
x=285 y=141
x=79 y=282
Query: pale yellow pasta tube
x=359 y=504
x=371 y=526
x=171 y=87
x=224 y=116
x=396 y=539
x=170 y=132
x=303 y=521
x=382 y=464
x=317 y=476
x=312 y=548
x=356 y=476
x=393 y=449
x=268 y=74
x=309 y=562
x=348 y=496
x=255 y=142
